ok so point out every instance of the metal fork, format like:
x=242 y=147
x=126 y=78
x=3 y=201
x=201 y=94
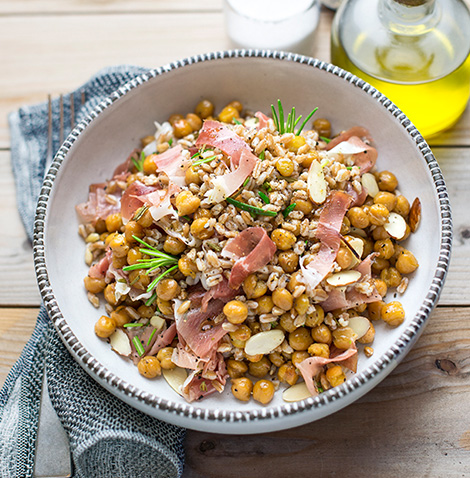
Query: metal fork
x=52 y=457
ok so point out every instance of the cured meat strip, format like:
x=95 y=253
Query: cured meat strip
x=173 y=163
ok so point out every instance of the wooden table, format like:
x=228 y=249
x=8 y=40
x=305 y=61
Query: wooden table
x=416 y=423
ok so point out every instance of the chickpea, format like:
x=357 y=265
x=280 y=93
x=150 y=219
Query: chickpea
x=387 y=199
x=204 y=109
x=133 y=256
x=379 y=233
x=146 y=311
x=237 y=105
x=407 y=233
x=186 y=202
x=105 y=326
x=393 y=313
x=309 y=158
x=242 y=388
x=276 y=358
x=265 y=305
x=402 y=206
x=150 y=166
x=261 y=368
x=406 y=262
x=149 y=367
x=368 y=247
x=120 y=316
x=146 y=219
x=173 y=245
x=305 y=206
x=316 y=318
x=187 y=267
x=283 y=299
x=391 y=277
x=295 y=143
x=374 y=310
x=285 y=167
x=253 y=358
x=384 y=248
x=335 y=375
x=139 y=279
x=344 y=258
x=236 y=368
x=164 y=306
x=378 y=214
x=119 y=262
x=345 y=226
x=164 y=357
x=174 y=118
x=132 y=228
x=295 y=280
x=380 y=264
x=181 y=128
x=94 y=285
x=114 y=222
x=358 y=217
x=201 y=230
x=299 y=356
x=253 y=287
x=343 y=337
x=194 y=121
x=167 y=289
x=319 y=350
x=192 y=176
x=301 y=304
x=287 y=323
x=242 y=334
x=323 y=127
x=283 y=239
x=109 y=294
x=201 y=212
x=236 y=311
x=300 y=339
x=369 y=336
x=322 y=334
x=289 y=261
x=119 y=245
x=381 y=287
x=387 y=181
x=287 y=374
x=228 y=114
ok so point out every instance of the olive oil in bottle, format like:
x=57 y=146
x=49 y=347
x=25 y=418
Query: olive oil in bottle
x=415 y=52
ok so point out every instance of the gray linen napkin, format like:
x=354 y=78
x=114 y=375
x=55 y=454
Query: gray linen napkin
x=107 y=437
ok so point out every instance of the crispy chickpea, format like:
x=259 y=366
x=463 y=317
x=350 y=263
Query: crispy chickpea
x=406 y=262
x=265 y=305
x=261 y=368
x=391 y=277
x=133 y=256
x=194 y=121
x=344 y=258
x=287 y=374
x=253 y=287
x=319 y=350
x=378 y=214
x=358 y=217
x=289 y=261
x=228 y=114
x=174 y=118
x=387 y=181
x=287 y=323
x=402 y=206
x=187 y=267
x=309 y=158
x=306 y=206
x=283 y=239
x=315 y=318
x=322 y=334
x=146 y=219
x=407 y=233
x=242 y=388
x=368 y=247
x=94 y=285
x=235 y=311
x=389 y=200
x=343 y=337
x=379 y=233
x=120 y=316
x=167 y=289
x=300 y=339
x=164 y=357
x=119 y=262
x=113 y=222
x=173 y=245
x=150 y=166
x=105 y=326
x=149 y=367
x=204 y=109
x=295 y=280
x=295 y=143
x=283 y=299
x=384 y=248
x=369 y=336
x=164 y=306
x=335 y=375
x=299 y=356
x=393 y=313
x=139 y=279
x=109 y=294
x=186 y=202
x=380 y=264
x=301 y=304
x=119 y=245
x=381 y=287
x=237 y=105
x=253 y=358
x=285 y=167
x=276 y=358
x=323 y=127
x=200 y=229
x=192 y=176
x=181 y=128
x=242 y=334
x=132 y=228
x=146 y=311
x=374 y=310
x=236 y=368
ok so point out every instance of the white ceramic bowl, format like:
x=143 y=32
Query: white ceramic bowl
x=257 y=79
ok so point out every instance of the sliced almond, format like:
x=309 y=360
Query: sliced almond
x=157 y=322
x=264 y=342
x=297 y=392
x=316 y=183
x=119 y=341
x=369 y=182
x=415 y=215
x=360 y=325
x=343 y=278
x=175 y=378
x=396 y=226
x=357 y=244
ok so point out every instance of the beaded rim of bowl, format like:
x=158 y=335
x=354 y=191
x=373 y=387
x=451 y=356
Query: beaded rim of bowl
x=406 y=339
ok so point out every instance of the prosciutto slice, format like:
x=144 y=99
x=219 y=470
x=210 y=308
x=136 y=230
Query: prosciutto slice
x=221 y=291
x=97 y=206
x=358 y=131
x=357 y=199
x=98 y=270
x=161 y=340
x=131 y=199
x=173 y=164
x=252 y=249
x=263 y=120
x=328 y=230
x=312 y=366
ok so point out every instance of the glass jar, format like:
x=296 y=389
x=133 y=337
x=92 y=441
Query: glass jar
x=415 y=52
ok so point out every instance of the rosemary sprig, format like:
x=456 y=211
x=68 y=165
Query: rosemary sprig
x=133 y=324
x=160 y=277
x=253 y=209
x=139 y=213
x=205 y=160
x=154 y=331
x=236 y=121
x=151 y=299
x=247 y=180
x=289 y=209
x=170 y=142
x=264 y=197
x=326 y=140
x=292 y=121
x=267 y=186
x=138 y=346
x=139 y=163
x=262 y=155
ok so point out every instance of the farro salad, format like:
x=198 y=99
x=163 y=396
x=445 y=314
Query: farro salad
x=246 y=246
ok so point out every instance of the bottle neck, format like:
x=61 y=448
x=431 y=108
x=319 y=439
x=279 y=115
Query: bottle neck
x=409 y=17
